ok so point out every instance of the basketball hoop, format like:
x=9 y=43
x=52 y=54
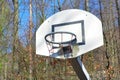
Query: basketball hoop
x=63 y=41
x=68 y=36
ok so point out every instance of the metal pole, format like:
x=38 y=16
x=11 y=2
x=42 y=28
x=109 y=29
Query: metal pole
x=79 y=68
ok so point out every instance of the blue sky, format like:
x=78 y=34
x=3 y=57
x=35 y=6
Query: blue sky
x=23 y=18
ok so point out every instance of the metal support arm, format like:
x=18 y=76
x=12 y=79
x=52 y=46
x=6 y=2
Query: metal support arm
x=79 y=68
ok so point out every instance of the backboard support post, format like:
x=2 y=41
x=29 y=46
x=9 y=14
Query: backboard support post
x=79 y=68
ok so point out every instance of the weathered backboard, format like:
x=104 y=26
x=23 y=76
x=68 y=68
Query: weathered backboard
x=86 y=27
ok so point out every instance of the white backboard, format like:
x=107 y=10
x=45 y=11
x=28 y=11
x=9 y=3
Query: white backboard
x=86 y=27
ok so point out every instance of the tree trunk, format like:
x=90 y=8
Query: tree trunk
x=118 y=18
x=87 y=5
x=30 y=45
x=118 y=13
x=15 y=36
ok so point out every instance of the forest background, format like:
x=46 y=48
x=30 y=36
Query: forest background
x=19 y=20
